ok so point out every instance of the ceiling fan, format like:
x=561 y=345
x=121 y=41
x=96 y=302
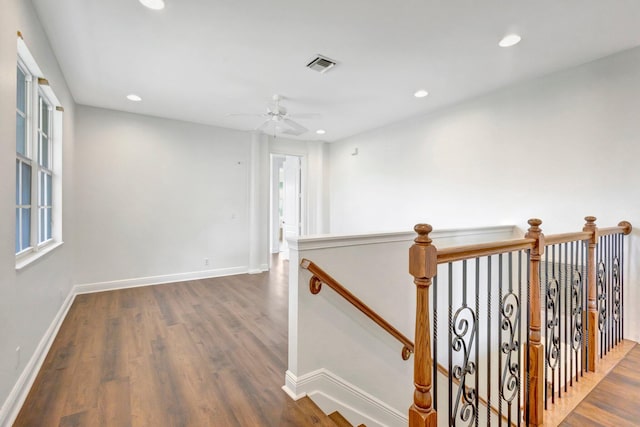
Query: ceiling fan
x=279 y=121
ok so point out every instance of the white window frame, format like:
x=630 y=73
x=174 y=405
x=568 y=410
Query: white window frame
x=37 y=91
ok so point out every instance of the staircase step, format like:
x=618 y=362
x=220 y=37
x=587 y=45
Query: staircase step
x=304 y=412
x=339 y=419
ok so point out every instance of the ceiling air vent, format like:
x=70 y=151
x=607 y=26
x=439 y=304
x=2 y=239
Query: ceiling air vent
x=321 y=64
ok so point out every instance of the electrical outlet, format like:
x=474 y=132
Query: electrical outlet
x=206 y=261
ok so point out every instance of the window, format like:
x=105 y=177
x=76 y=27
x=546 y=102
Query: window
x=38 y=136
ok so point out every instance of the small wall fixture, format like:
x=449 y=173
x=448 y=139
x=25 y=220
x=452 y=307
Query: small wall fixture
x=420 y=93
x=133 y=97
x=321 y=131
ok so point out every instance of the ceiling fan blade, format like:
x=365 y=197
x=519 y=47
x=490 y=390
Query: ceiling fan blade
x=305 y=116
x=244 y=115
x=296 y=128
x=264 y=126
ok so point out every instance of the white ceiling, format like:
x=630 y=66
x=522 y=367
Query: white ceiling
x=199 y=60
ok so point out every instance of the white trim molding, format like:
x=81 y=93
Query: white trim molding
x=446 y=237
x=332 y=393
x=157 y=280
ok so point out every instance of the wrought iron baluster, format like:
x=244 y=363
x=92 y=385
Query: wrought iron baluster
x=553 y=330
x=489 y=283
x=519 y=330
x=450 y=349
x=616 y=291
x=565 y=314
x=509 y=323
x=528 y=397
x=434 y=288
x=601 y=296
x=465 y=329
x=477 y=385
x=577 y=332
x=499 y=340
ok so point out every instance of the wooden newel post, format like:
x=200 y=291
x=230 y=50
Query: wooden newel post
x=592 y=293
x=423 y=263
x=535 y=393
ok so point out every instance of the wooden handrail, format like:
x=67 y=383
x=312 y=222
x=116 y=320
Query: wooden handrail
x=315 y=285
x=555 y=239
x=623 y=227
x=459 y=253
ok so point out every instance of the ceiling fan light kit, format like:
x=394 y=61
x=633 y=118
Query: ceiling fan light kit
x=279 y=121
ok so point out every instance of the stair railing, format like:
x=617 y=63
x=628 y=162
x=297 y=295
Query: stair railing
x=573 y=280
x=319 y=277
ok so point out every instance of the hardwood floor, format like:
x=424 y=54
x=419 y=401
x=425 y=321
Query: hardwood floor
x=202 y=353
x=615 y=401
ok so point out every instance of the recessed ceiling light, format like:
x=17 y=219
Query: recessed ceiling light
x=321 y=131
x=133 y=97
x=153 y=4
x=510 y=40
x=421 y=93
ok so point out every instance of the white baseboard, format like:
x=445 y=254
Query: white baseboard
x=332 y=393
x=157 y=280
x=17 y=396
x=261 y=269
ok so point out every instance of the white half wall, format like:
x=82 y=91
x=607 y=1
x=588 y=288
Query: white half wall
x=32 y=298
x=158 y=197
x=558 y=148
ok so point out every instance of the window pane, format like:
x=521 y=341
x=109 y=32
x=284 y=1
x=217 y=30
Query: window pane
x=41 y=225
x=26 y=184
x=26 y=229
x=22 y=91
x=44 y=115
x=21 y=135
x=48 y=189
x=17 y=230
x=41 y=190
x=43 y=155
x=48 y=223
x=17 y=182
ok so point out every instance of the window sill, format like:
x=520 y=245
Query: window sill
x=29 y=258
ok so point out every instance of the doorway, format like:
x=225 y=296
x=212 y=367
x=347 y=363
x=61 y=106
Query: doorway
x=285 y=201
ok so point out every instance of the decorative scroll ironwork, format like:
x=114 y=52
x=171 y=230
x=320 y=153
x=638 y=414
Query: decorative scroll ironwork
x=577 y=332
x=602 y=296
x=510 y=313
x=616 y=288
x=553 y=332
x=465 y=329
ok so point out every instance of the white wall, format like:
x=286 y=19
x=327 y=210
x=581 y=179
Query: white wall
x=558 y=148
x=156 y=197
x=29 y=298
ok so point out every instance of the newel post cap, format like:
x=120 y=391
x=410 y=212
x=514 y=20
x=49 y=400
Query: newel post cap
x=535 y=232
x=423 y=256
x=591 y=227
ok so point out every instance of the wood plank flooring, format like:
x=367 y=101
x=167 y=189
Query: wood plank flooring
x=201 y=353
x=615 y=401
